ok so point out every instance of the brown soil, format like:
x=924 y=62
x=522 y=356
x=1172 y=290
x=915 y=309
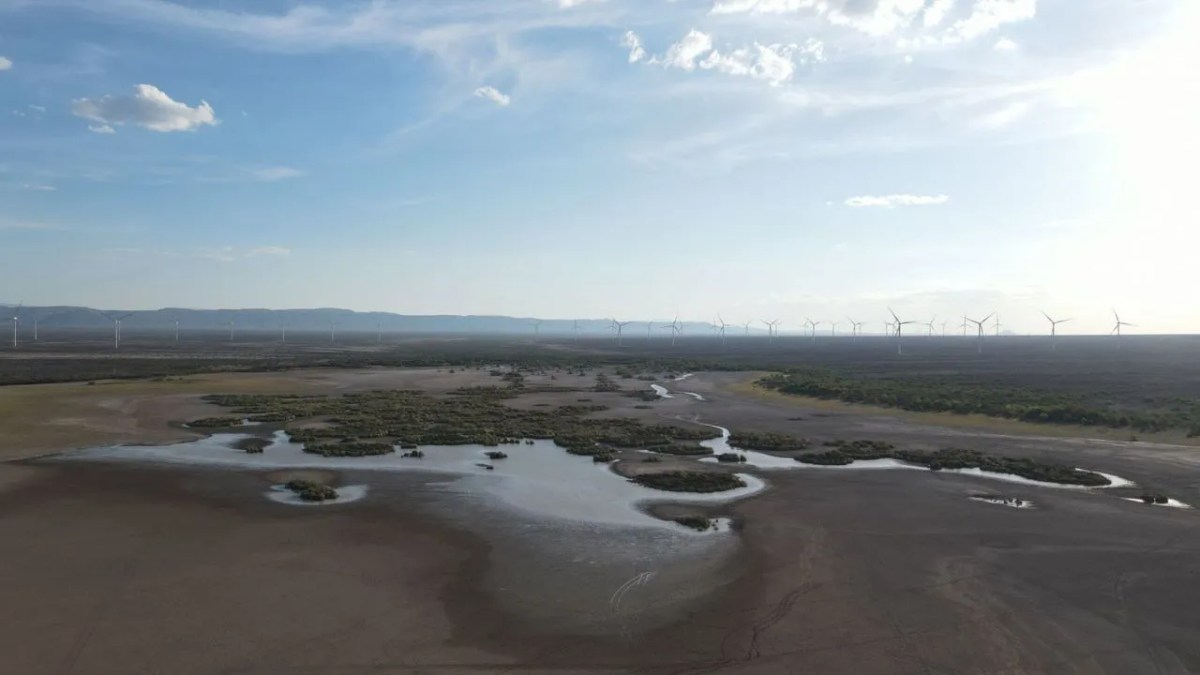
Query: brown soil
x=127 y=570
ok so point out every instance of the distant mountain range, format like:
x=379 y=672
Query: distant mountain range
x=346 y=320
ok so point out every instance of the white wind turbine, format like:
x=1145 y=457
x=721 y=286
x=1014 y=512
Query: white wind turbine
x=619 y=326
x=721 y=327
x=1053 y=328
x=229 y=323
x=116 y=320
x=1117 y=327
x=979 y=326
x=333 y=331
x=283 y=332
x=854 y=326
x=772 y=329
x=378 y=332
x=812 y=327
x=929 y=325
x=176 y=330
x=16 y=321
x=833 y=328
x=676 y=328
x=746 y=328
x=575 y=330
x=899 y=331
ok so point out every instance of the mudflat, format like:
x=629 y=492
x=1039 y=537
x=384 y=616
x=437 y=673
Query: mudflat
x=121 y=568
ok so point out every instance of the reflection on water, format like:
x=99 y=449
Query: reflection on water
x=538 y=478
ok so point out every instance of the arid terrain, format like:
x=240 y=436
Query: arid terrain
x=126 y=567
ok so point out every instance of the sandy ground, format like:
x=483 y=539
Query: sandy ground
x=139 y=570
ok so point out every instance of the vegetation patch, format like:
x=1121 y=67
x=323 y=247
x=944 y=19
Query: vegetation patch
x=731 y=457
x=697 y=523
x=215 y=422
x=685 y=450
x=689 y=481
x=934 y=394
x=768 y=441
x=476 y=415
x=496 y=454
x=253 y=445
x=1149 y=498
x=956 y=458
x=311 y=491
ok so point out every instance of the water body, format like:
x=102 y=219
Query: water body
x=762 y=460
x=661 y=391
x=1171 y=503
x=539 y=479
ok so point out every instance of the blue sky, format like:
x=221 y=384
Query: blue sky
x=594 y=158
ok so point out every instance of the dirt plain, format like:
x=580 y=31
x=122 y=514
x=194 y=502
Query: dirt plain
x=144 y=569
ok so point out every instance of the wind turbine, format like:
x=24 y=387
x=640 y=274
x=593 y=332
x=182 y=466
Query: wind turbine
x=721 y=327
x=649 y=327
x=997 y=324
x=746 y=328
x=16 y=320
x=930 y=326
x=575 y=329
x=1117 y=327
x=812 y=327
x=620 y=328
x=773 y=329
x=944 y=328
x=378 y=332
x=899 y=331
x=230 y=324
x=1053 y=327
x=283 y=332
x=964 y=325
x=332 y=331
x=176 y=330
x=833 y=328
x=979 y=326
x=676 y=329
x=116 y=327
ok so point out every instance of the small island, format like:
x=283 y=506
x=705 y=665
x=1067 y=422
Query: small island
x=311 y=491
x=689 y=481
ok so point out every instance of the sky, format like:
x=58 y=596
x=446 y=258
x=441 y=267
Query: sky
x=637 y=159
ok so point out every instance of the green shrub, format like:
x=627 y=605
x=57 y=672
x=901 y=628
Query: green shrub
x=689 y=481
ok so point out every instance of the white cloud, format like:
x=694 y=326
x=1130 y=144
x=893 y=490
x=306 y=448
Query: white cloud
x=232 y=253
x=888 y=17
x=774 y=63
x=101 y=129
x=149 y=107
x=38 y=187
x=494 y=95
x=273 y=174
x=634 y=43
x=5 y=64
x=683 y=54
x=891 y=201
x=1006 y=45
x=567 y=4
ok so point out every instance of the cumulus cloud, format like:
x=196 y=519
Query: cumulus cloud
x=148 y=107
x=1006 y=45
x=274 y=251
x=5 y=64
x=775 y=63
x=887 y=17
x=494 y=95
x=567 y=4
x=683 y=54
x=38 y=187
x=892 y=201
x=273 y=174
x=101 y=129
x=634 y=43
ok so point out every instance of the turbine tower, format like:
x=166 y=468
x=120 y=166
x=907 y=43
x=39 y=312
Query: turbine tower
x=1117 y=327
x=746 y=328
x=676 y=328
x=899 y=331
x=997 y=324
x=620 y=328
x=16 y=321
x=332 y=331
x=979 y=326
x=176 y=330
x=772 y=329
x=575 y=330
x=230 y=324
x=929 y=325
x=116 y=320
x=1053 y=328
x=721 y=327
x=833 y=328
